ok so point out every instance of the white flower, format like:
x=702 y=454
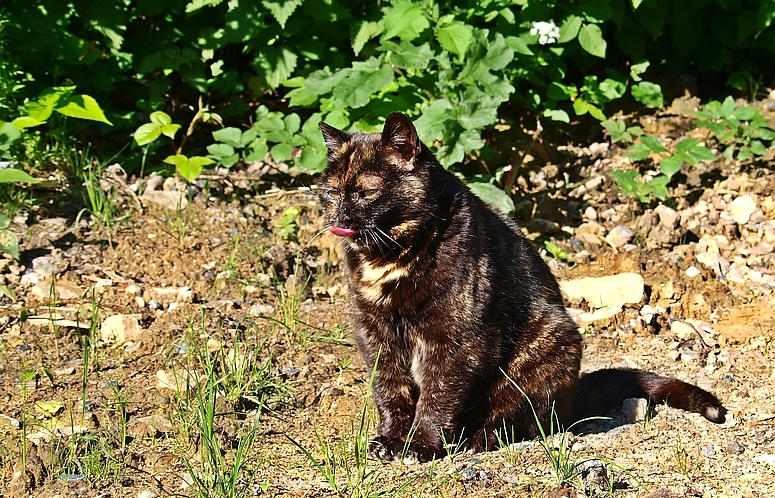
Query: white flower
x=547 y=32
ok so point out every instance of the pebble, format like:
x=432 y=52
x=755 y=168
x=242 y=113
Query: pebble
x=619 y=236
x=742 y=208
x=707 y=451
x=147 y=493
x=734 y=447
x=692 y=272
x=634 y=410
x=120 y=329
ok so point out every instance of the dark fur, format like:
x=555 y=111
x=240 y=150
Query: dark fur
x=458 y=307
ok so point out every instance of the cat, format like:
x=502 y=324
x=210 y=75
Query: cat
x=461 y=316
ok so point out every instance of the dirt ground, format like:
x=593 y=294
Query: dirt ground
x=98 y=406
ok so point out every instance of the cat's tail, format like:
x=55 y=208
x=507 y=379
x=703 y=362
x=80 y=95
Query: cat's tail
x=601 y=391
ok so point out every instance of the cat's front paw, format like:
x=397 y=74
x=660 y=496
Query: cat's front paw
x=385 y=448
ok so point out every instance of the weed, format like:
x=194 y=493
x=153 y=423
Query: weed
x=291 y=294
x=345 y=465
x=687 y=464
x=99 y=202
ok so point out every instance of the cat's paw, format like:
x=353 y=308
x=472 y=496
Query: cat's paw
x=384 y=448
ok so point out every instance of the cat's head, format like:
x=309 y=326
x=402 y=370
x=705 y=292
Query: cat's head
x=375 y=189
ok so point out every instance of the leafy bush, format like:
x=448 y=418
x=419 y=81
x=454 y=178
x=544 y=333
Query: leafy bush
x=452 y=66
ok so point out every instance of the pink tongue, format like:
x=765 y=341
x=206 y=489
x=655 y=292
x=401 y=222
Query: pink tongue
x=342 y=232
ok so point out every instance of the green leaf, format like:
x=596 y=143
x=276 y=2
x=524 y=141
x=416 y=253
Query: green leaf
x=10 y=175
x=591 y=40
x=569 y=29
x=194 y=167
x=169 y=130
x=494 y=196
x=518 y=45
x=147 y=133
x=277 y=65
x=311 y=161
x=362 y=82
x=455 y=37
x=256 y=152
x=638 y=152
x=758 y=148
x=745 y=113
x=366 y=32
x=292 y=123
x=648 y=94
x=9 y=242
x=612 y=89
x=582 y=107
x=557 y=115
x=9 y=134
x=24 y=122
x=555 y=250
x=220 y=151
x=405 y=20
x=177 y=160
x=430 y=126
x=230 y=136
x=160 y=118
x=282 y=10
x=653 y=144
x=670 y=166
x=82 y=107
x=281 y=152
x=408 y=56
x=727 y=107
x=637 y=69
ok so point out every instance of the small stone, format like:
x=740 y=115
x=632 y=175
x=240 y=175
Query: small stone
x=167 y=198
x=120 y=329
x=132 y=289
x=688 y=356
x=634 y=410
x=606 y=292
x=683 y=330
x=619 y=236
x=692 y=272
x=707 y=451
x=734 y=447
x=150 y=426
x=742 y=208
x=64 y=371
x=168 y=294
x=667 y=216
x=147 y=493
x=590 y=214
x=153 y=304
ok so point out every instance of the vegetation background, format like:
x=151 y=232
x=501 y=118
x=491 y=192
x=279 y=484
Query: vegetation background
x=184 y=88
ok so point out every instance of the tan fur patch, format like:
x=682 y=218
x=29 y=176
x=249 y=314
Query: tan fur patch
x=371 y=273
x=403 y=228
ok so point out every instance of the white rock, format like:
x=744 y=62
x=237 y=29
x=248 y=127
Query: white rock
x=692 y=272
x=667 y=216
x=120 y=329
x=170 y=294
x=605 y=292
x=683 y=330
x=166 y=198
x=147 y=493
x=742 y=208
x=619 y=236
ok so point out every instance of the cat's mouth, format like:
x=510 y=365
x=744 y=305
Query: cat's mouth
x=342 y=232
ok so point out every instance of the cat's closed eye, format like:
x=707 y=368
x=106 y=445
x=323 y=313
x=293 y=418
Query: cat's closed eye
x=369 y=194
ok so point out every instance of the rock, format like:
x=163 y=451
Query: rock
x=176 y=381
x=712 y=260
x=590 y=214
x=667 y=216
x=692 y=272
x=147 y=493
x=634 y=410
x=172 y=294
x=734 y=447
x=619 y=236
x=60 y=290
x=742 y=208
x=683 y=330
x=612 y=291
x=120 y=329
x=662 y=493
x=132 y=289
x=707 y=451
x=151 y=426
x=169 y=199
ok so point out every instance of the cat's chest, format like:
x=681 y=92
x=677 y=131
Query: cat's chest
x=381 y=284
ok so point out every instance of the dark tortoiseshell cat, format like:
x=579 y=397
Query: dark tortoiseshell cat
x=458 y=307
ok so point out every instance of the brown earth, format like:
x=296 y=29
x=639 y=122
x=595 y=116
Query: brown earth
x=268 y=296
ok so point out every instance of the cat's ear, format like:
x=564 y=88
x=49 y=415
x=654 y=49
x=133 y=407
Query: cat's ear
x=333 y=137
x=400 y=138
